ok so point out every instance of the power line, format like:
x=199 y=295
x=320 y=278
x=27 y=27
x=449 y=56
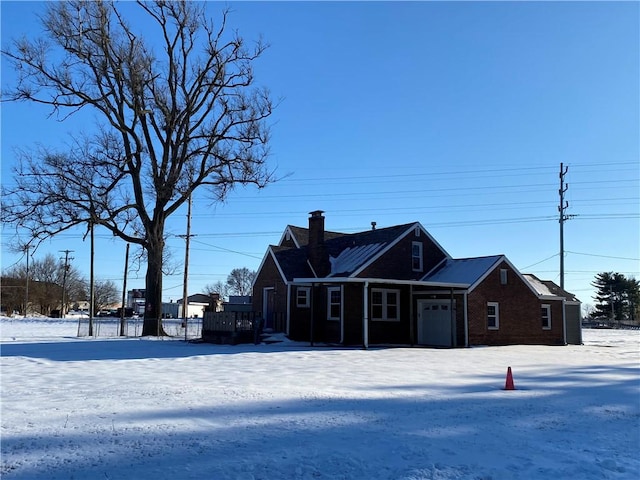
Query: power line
x=603 y=256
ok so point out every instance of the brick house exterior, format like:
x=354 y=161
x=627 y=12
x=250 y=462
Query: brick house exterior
x=398 y=286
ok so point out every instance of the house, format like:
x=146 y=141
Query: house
x=238 y=303
x=197 y=303
x=398 y=285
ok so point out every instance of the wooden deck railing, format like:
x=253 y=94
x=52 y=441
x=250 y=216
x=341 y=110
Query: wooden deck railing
x=228 y=321
x=239 y=322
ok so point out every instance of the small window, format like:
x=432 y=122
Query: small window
x=503 y=276
x=302 y=297
x=334 y=303
x=416 y=256
x=545 y=313
x=416 y=232
x=493 y=316
x=385 y=304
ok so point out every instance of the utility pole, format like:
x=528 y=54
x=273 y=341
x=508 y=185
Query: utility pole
x=185 y=294
x=92 y=292
x=67 y=259
x=564 y=204
x=124 y=290
x=26 y=292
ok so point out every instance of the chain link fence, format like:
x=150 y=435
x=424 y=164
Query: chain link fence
x=110 y=327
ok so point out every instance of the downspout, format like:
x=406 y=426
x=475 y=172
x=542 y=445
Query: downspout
x=342 y=314
x=312 y=315
x=289 y=307
x=452 y=321
x=365 y=326
x=411 y=320
x=564 y=320
x=466 y=320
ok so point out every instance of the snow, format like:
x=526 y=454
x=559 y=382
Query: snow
x=353 y=257
x=465 y=271
x=538 y=286
x=124 y=408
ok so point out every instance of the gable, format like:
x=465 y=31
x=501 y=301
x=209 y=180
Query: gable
x=395 y=259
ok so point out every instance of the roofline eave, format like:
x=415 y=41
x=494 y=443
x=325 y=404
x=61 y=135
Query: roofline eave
x=391 y=281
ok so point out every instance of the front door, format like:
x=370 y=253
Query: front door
x=268 y=306
x=435 y=323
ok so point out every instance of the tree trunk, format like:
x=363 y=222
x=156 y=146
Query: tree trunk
x=152 y=324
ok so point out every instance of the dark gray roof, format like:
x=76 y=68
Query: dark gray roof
x=293 y=262
x=200 y=298
x=349 y=252
x=302 y=235
x=466 y=271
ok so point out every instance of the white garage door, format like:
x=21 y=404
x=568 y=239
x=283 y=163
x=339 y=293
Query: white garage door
x=435 y=325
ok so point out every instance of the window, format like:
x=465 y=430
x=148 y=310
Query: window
x=334 y=303
x=385 y=304
x=416 y=256
x=503 y=276
x=493 y=316
x=545 y=312
x=302 y=297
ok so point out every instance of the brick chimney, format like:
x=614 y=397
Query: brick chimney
x=317 y=252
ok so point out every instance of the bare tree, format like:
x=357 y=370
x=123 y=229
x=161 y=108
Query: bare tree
x=46 y=279
x=177 y=114
x=105 y=294
x=240 y=281
x=218 y=287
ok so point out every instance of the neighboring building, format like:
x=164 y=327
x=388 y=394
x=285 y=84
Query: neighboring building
x=196 y=304
x=397 y=285
x=238 y=303
x=136 y=300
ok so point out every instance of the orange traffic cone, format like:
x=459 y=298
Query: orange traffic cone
x=509 y=383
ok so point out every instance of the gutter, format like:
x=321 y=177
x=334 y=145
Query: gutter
x=315 y=281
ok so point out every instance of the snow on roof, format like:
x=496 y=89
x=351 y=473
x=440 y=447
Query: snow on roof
x=352 y=257
x=548 y=288
x=462 y=270
x=538 y=286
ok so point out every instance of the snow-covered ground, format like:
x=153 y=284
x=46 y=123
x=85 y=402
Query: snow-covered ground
x=131 y=408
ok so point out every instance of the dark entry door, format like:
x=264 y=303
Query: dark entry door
x=269 y=300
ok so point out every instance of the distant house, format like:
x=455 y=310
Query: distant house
x=398 y=285
x=238 y=303
x=197 y=303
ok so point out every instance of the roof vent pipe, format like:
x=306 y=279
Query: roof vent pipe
x=373 y=225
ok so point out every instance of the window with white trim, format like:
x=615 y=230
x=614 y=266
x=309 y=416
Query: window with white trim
x=302 y=297
x=385 y=304
x=503 y=276
x=493 y=315
x=416 y=256
x=334 y=303
x=545 y=313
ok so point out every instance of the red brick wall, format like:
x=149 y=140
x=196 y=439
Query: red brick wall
x=300 y=320
x=269 y=276
x=396 y=263
x=519 y=313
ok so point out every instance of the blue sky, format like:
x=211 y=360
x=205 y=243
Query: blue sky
x=453 y=114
